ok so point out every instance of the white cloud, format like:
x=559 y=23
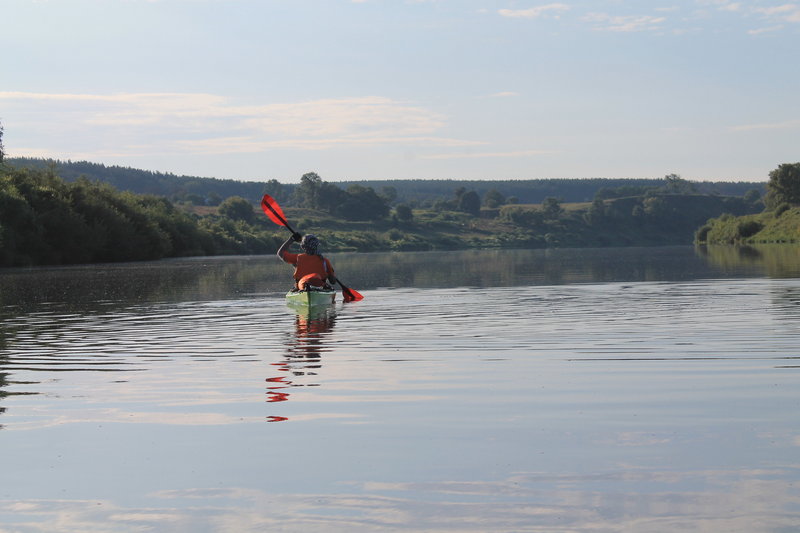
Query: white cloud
x=777 y=10
x=232 y=145
x=534 y=12
x=787 y=124
x=786 y=12
x=723 y=5
x=731 y=7
x=624 y=23
x=769 y=29
x=504 y=94
x=137 y=123
x=774 y=15
x=478 y=155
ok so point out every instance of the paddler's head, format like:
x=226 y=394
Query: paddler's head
x=310 y=244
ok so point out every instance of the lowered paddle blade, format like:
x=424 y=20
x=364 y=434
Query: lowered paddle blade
x=273 y=210
x=350 y=295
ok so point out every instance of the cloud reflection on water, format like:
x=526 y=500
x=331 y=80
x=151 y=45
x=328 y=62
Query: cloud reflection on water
x=737 y=501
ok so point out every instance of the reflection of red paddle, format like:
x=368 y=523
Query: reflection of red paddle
x=275 y=214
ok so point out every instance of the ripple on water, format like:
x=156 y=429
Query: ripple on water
x=621 y=322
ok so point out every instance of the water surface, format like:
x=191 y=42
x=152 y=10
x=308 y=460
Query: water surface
x=571 y=390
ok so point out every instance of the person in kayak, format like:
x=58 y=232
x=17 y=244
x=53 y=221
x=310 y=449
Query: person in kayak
x=310 y=267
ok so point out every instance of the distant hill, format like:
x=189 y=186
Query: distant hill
x=536 y=190
x=415 y=191
x=145 y=181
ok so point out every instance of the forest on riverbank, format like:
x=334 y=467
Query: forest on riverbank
x=45 y=219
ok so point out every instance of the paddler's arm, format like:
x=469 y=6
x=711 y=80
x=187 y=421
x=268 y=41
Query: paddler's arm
x=329 y=268
x=285 y=246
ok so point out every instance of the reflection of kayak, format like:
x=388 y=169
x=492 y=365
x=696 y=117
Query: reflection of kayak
x=310 y=298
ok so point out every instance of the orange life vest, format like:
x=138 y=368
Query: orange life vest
x=305 y=265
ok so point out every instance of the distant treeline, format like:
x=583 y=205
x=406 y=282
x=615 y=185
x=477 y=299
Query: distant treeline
x=175 y=187
x=535 y=191
x=414 y=192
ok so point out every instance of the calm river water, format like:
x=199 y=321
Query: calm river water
x=640 y=390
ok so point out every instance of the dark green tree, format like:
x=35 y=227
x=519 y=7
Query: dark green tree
x=783 y=185
x=551 y=208
x=213 y=198
x=195 y=199
x=362 y=203
x=403 y=212
x=389 y=194
x=677 y=185
x=596 y=213
x=315 y=193
x=307 y=193
x=237 y=208
x=493 y=198
x=2 y=150
x=276 y=189
x=470 y=202
x=752 y=196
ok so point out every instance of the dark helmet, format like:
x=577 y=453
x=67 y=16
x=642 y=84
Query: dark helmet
x=310 y=244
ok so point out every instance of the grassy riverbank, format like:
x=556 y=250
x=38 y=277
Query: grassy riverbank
x=665 y=219
x=779 y=226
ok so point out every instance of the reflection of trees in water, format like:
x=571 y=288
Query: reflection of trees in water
x=3 y=393
x=786 y=304
x=774 y=260
x=786 y=311
x=100 y=288
x=303 y=356
x=123 y=284
x=496 y=268
x=3 y=375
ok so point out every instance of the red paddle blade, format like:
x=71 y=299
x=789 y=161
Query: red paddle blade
x=273 y=210
x=351 y=295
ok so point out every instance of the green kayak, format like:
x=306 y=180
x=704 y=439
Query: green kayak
x=312 y=298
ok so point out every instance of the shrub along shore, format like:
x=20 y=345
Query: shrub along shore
x=778 y=223
x=770 y=227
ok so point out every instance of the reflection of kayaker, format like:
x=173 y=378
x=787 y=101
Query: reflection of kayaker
x=303 y=357
x=310 y=329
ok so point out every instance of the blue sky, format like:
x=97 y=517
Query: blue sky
x=385 y=89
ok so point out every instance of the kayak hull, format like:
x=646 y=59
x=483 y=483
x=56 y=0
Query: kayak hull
x=309 y=299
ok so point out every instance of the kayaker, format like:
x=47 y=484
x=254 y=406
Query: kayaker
x=311 y=268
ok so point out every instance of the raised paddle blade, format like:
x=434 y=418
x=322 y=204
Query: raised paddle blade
x=273 y=210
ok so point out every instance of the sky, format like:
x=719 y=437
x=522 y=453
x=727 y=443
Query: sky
x=398 y=89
